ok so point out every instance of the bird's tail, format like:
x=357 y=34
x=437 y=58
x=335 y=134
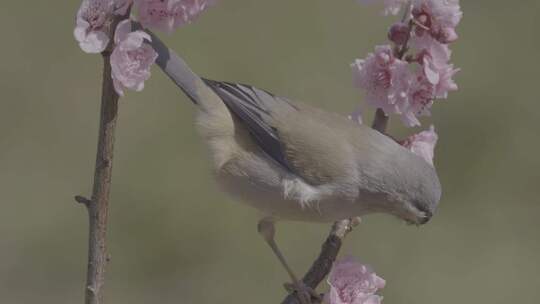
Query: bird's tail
x=189 y=82
x=214 y=121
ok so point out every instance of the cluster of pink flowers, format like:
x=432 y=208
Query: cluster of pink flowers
x=131 y=57
x=353 y=283
x=404 y=83
x=405 y=78
x=167 y=15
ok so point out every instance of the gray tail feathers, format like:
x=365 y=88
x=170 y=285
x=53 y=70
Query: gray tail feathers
x=180 y=73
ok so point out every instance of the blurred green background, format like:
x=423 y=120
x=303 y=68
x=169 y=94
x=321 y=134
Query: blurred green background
x=174 y=238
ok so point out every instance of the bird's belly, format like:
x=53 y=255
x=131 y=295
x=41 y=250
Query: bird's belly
x=271 y=201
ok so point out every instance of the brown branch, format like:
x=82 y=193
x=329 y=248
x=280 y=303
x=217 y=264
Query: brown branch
x=323 y=264
x=97 y=206
x=380 y=121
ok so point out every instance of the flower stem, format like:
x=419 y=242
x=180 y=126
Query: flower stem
x=380 y=120
x=399 y=52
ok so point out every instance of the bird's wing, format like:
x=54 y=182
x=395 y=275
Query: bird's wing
x=306 y=141
x=253 y=107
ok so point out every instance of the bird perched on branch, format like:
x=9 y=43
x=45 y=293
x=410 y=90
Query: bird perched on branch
x=296 y=162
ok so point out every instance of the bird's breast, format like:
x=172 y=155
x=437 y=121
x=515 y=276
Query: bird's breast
x=264 y=185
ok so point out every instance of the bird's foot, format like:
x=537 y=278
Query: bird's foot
x=355 y=221
x=305 y=294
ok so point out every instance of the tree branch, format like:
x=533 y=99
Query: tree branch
x=380 y=121
x=323 y=264
x=97 y=206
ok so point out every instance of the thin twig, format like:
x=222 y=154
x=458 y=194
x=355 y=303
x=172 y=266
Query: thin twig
x=380 y=121
x=323 y=264
x=401 y=51
x=82 y=200
x=97 y=206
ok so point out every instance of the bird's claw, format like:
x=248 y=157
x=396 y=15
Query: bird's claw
x=305 y=294
x=355 y=221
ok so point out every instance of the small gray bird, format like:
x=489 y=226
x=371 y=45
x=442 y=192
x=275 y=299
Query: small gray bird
x=296 y=162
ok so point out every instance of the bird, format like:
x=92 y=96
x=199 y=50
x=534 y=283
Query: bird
x=294 y=161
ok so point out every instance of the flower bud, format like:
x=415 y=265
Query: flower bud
x=448 y=35
x=398 y=33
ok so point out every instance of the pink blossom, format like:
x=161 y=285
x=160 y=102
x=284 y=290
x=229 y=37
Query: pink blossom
x=353 y=283
x=446 y=82
x=434 y=57
x=438 y=17
x=167 y=15
x=399 y=33
x=433 y=79
x=419 y=99
x=438 y=52
x=391 y=7
x=384 y=79
x=422 y=92
x=403 y=88
x=131 y=59
x=408 y=85
x=423 y=144
x=93 y=22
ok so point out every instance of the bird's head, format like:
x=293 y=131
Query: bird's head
x=418 y=205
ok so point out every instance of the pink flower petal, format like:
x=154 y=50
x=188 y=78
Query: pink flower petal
x=92 y=24
x=167 y=15
x=423 y=144
x=384 y=79
x=439 y=17
x=399 y=33
x=131 y=59
x=353 y=283
x=122 y=31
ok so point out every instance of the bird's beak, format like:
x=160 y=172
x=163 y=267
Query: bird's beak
x=420 y=215
x=425 y=218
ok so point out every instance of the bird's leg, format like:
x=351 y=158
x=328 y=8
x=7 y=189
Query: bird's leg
x=267 y=229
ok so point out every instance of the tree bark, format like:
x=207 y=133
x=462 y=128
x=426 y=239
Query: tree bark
x=323 y=264
x=97 y=206
x=380 y=121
